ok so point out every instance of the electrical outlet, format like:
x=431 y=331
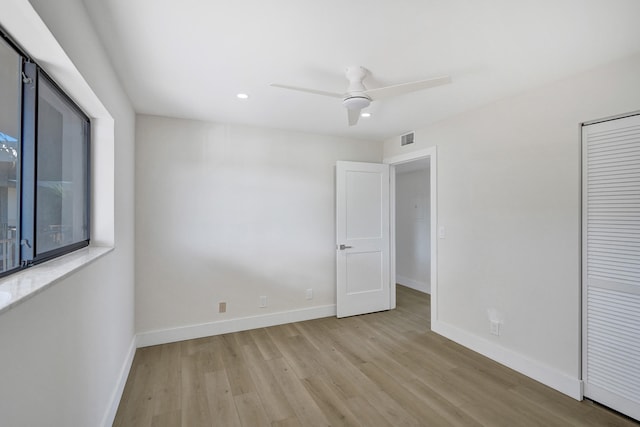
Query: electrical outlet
x=263 y=301
x=496 y=319
x=222 y=307
x=495 y=328
x=309 y=294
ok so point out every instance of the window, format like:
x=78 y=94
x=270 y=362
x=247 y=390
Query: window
x=44 y=160
x=10 y=63
x=61 y=172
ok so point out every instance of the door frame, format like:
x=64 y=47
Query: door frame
x=431 y=154
x=600 y=395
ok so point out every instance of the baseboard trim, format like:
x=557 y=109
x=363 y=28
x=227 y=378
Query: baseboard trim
x=544 y=374
x=163 y=336
x=413 y=284
x=114 y=402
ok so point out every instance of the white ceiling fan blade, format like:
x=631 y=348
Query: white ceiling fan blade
x=401 y=89
x=354 y=115
x=314 y=91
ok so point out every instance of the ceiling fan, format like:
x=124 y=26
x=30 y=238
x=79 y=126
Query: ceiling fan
x=358 y=97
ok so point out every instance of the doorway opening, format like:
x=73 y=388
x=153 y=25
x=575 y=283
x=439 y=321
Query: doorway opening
x=413 y=237
x=413 y=224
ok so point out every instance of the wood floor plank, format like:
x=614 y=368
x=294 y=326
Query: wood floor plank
x=437 y=377
x=167 y=419
x=368 y=414
x=426 y=351
x=164 y=384
x=271 y=394
x=136 y=408
x=478 y=363
x=301 y=401
x=194 y=403
x=205 y=351
x=348 y=381
x=268 y=348
x=240 y=379
x=242 y=337
x=300 y=354
x=289 y=422
x=448 y=410
x=222 y=406
x=410 y=403
x=351 y=344
x=230 y=350
x=382 y=369
x=235 y=365
x=331 y=404
x=392 y=411
x=497 y=407
x=250 y=410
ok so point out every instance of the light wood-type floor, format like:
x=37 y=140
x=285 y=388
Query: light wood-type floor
x=381 y=369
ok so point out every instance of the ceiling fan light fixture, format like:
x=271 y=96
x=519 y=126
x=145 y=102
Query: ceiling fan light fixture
x=242 y=96
x=356 y=102
x=358 y=97
x=365 y=115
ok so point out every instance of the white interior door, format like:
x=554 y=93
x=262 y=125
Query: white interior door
x=611 y=264
x=362 y=238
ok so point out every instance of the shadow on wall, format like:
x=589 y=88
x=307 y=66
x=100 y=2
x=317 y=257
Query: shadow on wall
x=202 y=282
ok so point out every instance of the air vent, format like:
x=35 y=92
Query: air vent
x=407 y=139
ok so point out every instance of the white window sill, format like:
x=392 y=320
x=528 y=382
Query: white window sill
x=21 y=286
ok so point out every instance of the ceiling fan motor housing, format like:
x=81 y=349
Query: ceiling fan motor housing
x=357 y=102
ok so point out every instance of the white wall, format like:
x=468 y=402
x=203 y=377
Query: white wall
x=230 y=213
x=413 y=251
x=63 y=350
x=509 y=199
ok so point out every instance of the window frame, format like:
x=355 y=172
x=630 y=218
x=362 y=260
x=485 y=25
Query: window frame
x=26 y=186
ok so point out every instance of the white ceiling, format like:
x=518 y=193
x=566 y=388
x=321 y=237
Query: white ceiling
x=190 y=58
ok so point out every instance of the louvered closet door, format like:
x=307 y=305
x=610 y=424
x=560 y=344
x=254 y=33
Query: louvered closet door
x=611 y=264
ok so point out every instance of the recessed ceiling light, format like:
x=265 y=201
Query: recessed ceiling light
x=365 y=115
x=242 y=96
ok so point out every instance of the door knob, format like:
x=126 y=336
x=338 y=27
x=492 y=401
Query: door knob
x=343 y=247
